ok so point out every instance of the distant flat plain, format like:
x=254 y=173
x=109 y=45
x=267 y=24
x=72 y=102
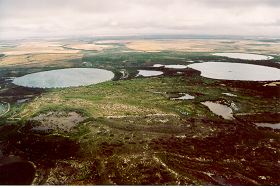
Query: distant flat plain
x=45 y=52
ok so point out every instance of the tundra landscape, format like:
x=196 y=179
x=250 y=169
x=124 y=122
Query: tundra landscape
x=176 y=127
x=90 y=95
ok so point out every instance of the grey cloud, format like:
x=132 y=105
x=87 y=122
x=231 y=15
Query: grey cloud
x=240 y=3
x=22 y=18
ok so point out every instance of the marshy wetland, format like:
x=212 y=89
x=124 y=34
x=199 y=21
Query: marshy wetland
x=148 y=115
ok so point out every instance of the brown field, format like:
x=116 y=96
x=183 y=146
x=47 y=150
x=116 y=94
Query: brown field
x=37 y=48
x=37 y=59
x=204 y=46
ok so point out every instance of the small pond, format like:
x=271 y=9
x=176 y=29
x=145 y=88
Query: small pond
x=219 y=109
x=229 y=94
x=158 y=65
x=184 y=97
x=171 y=66
x=61 y=78
x=244 y=56
x=271 y=125
x=148 y=73
x=236 y=71
x=175 y=66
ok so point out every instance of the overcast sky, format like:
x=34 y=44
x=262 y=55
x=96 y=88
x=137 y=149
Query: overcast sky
x=64 y=18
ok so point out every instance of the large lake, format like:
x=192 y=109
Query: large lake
x=236 y=71
x=61 y=78
x=244 y=56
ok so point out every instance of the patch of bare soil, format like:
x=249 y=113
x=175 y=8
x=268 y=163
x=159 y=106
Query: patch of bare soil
x=60 y=121
x=37 y=59
x=37 y=48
